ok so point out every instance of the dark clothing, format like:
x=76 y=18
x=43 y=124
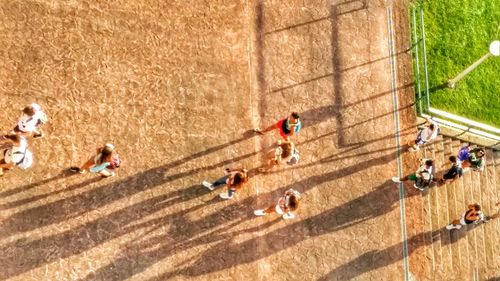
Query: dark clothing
x=465 y=217
x=284 y=127
x=453 y=172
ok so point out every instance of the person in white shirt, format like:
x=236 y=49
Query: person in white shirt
x=15 y=154
x=426 y=135
x=423 y=173
x=30 y=121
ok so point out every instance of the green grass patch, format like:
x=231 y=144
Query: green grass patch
x=459 y=32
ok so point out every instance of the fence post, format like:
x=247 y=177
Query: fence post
x=417 y=64
x=425 y=56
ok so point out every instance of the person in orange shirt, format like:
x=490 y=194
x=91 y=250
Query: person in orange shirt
x=234 y=180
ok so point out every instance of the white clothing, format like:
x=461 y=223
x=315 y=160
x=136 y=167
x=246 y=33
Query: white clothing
x=427 y=134
x=16 y=153
x=423 y=169
x=27 y=123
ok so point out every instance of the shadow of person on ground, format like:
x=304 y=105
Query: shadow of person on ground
x=375 y=259
x=121 y=222
x=228 y=254
x=76 y=205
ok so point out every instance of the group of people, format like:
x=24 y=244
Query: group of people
x=15 y=144
x=106 y=161
x=286 y=152
x=467 y=158
x=16 y=153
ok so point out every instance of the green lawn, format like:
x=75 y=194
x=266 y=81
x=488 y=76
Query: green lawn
x=458 y=32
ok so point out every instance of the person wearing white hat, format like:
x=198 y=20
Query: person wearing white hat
x=30 y=121
x=104 y=162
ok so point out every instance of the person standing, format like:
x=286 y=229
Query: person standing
x=287 y=127
x=285 y=152
x=286 y=204
x=426 y=135
x=104 y=162
x=422 y=177
x=17 y=155
x=30 y=121
x=472 y=216
x=234 y=180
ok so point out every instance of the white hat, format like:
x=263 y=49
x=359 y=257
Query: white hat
x=110 y=146
x=36 y=106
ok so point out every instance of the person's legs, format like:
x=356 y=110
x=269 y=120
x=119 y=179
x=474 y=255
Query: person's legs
x=270 y=128
x=5 y=166
x=228 y=195
x=220 y=181
x=106 y=173
x=86 y=166
x=409 y=177
x=217 y=183
x=263 y=212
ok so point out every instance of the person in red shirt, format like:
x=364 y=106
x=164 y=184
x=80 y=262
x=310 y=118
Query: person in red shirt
x=287 y=127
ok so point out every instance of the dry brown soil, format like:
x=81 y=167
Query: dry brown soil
x=176 y=85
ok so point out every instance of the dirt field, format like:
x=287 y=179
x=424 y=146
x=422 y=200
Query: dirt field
x=176 y=86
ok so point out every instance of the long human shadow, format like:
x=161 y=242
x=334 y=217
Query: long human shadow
x=26 y=187
x=236 y=213
x=337 y=10
x=24 y=256
x=79 y=204
x=21 y=256
x=381 y=200
x=380 y=258
x=17 y=203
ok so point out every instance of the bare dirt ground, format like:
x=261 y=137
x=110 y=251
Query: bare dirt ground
x=176 y=85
